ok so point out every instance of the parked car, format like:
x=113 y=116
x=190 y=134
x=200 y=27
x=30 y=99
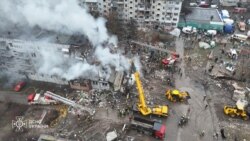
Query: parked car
x=242 y=26
x=214 y=6
x=19 y=86
x=239 y=10
x=239 y=37
x=193 y=4
x=248 y=21
x=211 y=32
x=189 y=30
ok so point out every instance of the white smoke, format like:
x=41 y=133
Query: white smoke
x=67 y=17
x=137 y=64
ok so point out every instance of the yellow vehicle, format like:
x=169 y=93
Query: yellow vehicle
x=176 y=95
x=240 y=110
x=142 y=106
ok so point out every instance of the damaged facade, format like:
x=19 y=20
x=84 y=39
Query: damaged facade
x=145 y=12
x=18 y=57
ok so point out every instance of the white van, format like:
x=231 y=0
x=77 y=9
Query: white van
x=239 y=37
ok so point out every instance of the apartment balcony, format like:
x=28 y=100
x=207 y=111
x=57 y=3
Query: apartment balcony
x=143 y=7
x=120 y=2
x=169 y=11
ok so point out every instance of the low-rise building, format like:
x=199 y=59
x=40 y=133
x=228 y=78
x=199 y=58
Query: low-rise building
x=202 y=18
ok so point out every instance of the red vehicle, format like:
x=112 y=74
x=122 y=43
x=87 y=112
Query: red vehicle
x=204 y=5
x=37 y=98
x=239 y=10
x=171 y=60
x=151 y=127
x=19 y=86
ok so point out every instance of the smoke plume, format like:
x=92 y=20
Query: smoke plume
x=66 y=17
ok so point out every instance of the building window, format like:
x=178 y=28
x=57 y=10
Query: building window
x=176 y=14
x=176 y=8
x=162 y=18
x=135 y=0
x=104 y=0
x=158 y=9
x=174 y=19
x=163 y=13
x=177 y=2
x=130 y=12
x=126 y=5
x=159 y=3
x=173 y=24
x=104 y=6
x=158 y=15
x=130 y=7
x=153 y=12
x=170 y=2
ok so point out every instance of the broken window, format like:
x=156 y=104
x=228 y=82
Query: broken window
x=95 y=83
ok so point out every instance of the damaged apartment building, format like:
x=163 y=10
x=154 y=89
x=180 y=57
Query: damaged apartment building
x=18 y=57
x=145 y=12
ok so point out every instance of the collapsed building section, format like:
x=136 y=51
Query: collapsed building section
x=20 y=57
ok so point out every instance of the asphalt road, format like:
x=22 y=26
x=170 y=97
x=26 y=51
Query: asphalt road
x=13 y=97
x=200 y=118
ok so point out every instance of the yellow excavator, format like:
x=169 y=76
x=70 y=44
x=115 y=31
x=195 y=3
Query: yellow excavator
x=176 y=95
x=142 y=106
x=241 y=109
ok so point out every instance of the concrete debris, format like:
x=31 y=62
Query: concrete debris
x=204 y=45
x=111 y=136
x=239 y=94
x=176 y=32
x=236 y=86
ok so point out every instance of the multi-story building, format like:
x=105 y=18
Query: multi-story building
x=145 y=12
x=20 y=57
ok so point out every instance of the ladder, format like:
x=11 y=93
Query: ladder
x=68 y=102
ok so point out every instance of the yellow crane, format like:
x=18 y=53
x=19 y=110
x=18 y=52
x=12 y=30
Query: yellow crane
x=142 y=106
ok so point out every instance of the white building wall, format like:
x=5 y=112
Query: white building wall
x=145 y=12
x=20 y=55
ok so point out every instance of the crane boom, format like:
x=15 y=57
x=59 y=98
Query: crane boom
x=142 y=106
x=152 y=47
x=68 y=102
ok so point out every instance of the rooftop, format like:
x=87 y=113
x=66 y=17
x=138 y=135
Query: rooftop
x=202 y=15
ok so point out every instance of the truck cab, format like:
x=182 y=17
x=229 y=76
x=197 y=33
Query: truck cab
x=160 y=130
x=148 y=126
x=37 y=98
